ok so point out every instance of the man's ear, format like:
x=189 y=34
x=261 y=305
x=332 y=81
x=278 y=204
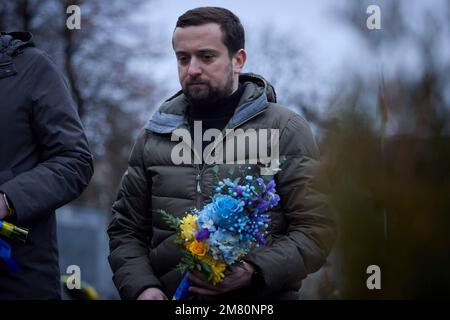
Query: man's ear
x=239 y=60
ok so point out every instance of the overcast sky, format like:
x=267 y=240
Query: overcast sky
x=306 y=23
x=332 y=48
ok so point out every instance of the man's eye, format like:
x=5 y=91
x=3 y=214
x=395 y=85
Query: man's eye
x=183 y=59
x=208 y=57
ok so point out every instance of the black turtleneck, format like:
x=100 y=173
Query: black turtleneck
x=216 y=115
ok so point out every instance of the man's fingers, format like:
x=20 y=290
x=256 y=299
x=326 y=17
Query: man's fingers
x=203 y=291
x=201 y=283
x=234 y=270
x=199 y=275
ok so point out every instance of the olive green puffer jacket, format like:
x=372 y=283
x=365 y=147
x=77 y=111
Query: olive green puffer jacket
x=302 y=230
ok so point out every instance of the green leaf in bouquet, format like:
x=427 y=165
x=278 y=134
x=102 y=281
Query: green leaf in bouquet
x=182 y=268
x=207 y=268
x=236 y=181
x=188 y=261
x=171 y=220
x=184 y=265
x=215 y=169
x=178 y=241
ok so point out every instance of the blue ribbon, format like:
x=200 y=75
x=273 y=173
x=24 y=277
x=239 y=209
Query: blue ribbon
x=5 y=254
x=182 y=292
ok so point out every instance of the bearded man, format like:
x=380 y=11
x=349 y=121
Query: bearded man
x=209 y=45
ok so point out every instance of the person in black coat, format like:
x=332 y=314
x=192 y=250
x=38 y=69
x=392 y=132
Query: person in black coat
x=45 y=162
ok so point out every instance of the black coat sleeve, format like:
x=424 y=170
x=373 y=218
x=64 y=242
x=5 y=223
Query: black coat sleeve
x=131 y=229
x=65 y=167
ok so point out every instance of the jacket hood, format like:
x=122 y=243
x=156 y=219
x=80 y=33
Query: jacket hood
x=255 y=98
x=11 y=43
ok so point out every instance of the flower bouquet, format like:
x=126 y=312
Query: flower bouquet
x=10 y=231
x=224 y=230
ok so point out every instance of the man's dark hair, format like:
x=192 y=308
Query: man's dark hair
x=232 y=29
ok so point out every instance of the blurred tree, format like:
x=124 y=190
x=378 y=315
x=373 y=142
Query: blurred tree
x=390 y=169
x=283 y=63
x=100 y=61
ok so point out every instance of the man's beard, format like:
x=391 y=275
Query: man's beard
x=205 y=93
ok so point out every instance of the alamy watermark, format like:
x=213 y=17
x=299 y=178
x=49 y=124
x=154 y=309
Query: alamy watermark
x=241 y=146
x=74 y=277
x=374 y=20
x=74 y=20
x=374 y=280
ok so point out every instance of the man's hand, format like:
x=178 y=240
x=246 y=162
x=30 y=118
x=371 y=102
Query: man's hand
x=3 y=209
x=152 y=294
x=238 y=277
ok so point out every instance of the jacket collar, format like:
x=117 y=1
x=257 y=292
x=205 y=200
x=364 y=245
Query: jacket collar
x=11 y=44
x=257 y=93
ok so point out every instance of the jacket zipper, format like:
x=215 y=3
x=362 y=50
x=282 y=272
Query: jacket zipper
x=199 y=195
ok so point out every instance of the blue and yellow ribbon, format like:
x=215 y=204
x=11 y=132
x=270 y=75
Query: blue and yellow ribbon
x=182 y=292
x=5 y=254
x=11 y=231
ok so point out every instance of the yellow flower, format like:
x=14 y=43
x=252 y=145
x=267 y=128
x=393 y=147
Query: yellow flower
x=218 y=267
x=188 y=227
x=198 y=249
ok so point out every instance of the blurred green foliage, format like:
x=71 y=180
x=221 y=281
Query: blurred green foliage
x=391 y=191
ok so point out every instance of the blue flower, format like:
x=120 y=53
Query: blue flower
x=271 y=186
x=260 y=239
x=274 y=199
x=205 y=219
x=228 y=182
x=225 y=245
x=260 y=182
x=261 y=204
x=239 y=190
x=226 y=210
x=202 y=234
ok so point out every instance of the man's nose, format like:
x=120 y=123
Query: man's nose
x=194 y=68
